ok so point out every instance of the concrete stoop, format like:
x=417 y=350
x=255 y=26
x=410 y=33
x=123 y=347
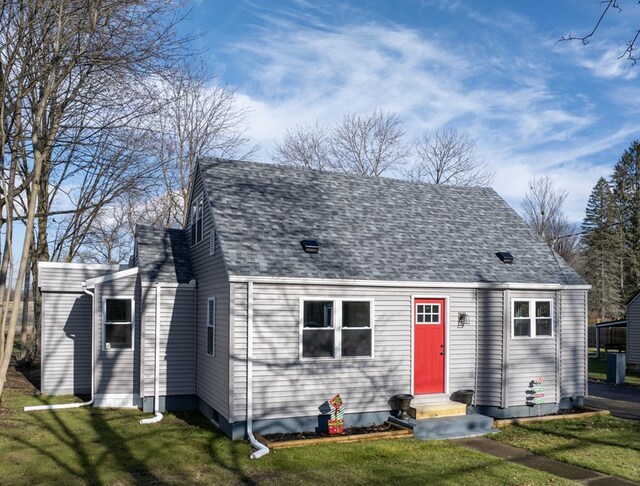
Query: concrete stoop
x=452 y=427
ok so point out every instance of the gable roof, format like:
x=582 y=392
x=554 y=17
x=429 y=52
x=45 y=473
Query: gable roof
x=162 y=254
x=369 y=228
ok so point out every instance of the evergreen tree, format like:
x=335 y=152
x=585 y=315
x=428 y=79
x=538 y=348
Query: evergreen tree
x=626 y=191
x=603 y=245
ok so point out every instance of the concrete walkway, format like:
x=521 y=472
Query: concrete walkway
x=623 y=401
x=540 y=463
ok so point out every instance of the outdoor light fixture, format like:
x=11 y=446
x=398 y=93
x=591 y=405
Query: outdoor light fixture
x=310 y=246
x=463 y=319
x=505 y=257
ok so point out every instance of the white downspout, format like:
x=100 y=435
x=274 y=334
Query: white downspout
x=93 y=345
x=261 y=449
x=157 y=417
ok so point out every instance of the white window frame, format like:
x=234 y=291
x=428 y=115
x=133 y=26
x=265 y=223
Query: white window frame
x=212 y=242
x=337 y=327
x=196 y=214
x=211 y=323
x=532 y=318
x=132 y=324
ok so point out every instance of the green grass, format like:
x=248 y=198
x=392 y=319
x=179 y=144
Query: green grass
x=602 y=443
x=598 y=369
x=98 y=446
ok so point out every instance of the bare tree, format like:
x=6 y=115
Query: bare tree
x=543 y=211
x=306 y=146
x=368 y=144
x=609 y=6
x=197 y=117
x=56 y=58
x=447 y=156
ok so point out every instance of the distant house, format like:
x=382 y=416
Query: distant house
x=289 y=286
x=633 y=332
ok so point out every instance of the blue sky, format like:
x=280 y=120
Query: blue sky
x=491 y=68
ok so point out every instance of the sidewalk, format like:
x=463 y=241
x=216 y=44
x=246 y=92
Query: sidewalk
x=623 y=401
x=540 y=463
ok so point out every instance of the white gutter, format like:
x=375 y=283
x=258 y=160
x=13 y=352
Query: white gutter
x=406 y=283
x=157 y=417
x=261 y=449
x=93 y=338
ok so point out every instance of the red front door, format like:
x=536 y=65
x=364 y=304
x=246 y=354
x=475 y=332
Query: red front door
x=428 y=355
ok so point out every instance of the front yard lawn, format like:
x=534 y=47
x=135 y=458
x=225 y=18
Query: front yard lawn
x=602 y=443
x=99 y=446
x=598 y=369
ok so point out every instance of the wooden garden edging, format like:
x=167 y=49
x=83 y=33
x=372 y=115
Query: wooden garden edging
x=284 y=444
x=589 y=412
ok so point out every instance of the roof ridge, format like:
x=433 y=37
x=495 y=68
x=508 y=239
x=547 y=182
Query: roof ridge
x=348 y=175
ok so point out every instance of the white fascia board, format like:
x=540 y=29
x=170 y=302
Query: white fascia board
x=91 y=283
x=400 y=283
x=81 y=266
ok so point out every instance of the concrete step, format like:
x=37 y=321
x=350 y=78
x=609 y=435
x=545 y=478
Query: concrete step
x=448 y=427
x=440 y=409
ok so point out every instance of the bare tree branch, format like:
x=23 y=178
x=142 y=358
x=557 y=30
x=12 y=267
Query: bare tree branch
x=447 y=156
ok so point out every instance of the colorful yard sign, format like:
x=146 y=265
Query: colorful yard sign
x=535 y=392
x=336 y=424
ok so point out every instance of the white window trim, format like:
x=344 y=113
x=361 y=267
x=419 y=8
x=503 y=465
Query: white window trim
x=532 y=318
x=213 y=334
x=197 y=212
x=337 y=327
x=104 y=322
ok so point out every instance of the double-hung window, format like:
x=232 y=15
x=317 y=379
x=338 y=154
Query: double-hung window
x=211 y=326
x=196 y=220
x=118 y=323
x=335 y=328
x=532 y=318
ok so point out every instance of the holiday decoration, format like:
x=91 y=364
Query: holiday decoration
x=336 y=424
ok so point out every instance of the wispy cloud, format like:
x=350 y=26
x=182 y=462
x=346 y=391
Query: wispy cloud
x=299 y=72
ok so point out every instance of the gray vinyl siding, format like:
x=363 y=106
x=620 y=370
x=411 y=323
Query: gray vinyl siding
x=66 y=344
x=117 y=370
x=66 y=327
x=529 y=358
x=573 y=342
x=633 y=333
x=212 y=372
x=71 y=277
x=177 y=340
x=490 y=347
x=283 y=385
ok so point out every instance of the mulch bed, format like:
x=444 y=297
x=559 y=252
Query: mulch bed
x=317 y=435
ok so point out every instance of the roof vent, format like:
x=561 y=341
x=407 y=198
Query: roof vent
x=310 y=246
x=505 y=257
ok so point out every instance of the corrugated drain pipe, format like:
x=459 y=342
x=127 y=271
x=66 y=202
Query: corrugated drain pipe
x=93 y=346
x=261 y=449
x=157 y=416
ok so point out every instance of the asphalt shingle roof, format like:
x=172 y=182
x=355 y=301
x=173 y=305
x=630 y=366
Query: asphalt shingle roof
x=163 y=255
x=370 y=228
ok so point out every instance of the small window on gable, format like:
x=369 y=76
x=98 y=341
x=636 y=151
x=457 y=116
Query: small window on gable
x=212 y=243
x=197 y=220
x=211 y=326
x=532 y=318
x=118 y=323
